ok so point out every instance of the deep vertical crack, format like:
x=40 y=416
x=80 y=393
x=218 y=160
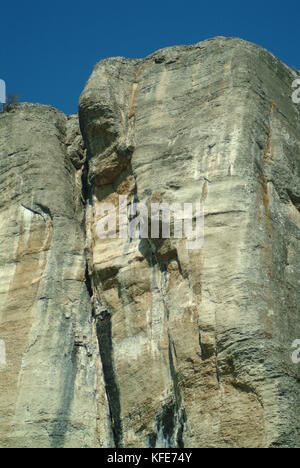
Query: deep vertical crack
x=104 y=335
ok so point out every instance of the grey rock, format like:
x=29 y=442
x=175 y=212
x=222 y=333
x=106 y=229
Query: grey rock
x=49 y=388
x=145 y=343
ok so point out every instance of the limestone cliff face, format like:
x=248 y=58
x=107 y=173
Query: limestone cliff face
x=51 y=386
x=144 y=343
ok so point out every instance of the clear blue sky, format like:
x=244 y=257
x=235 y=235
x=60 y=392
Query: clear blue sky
x=48 y=49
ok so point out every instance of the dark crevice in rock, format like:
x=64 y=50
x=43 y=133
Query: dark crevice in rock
x=39 y=210
x=45 y=210
x=103 y=324
x=172 y=419
x=295 y=199
x=174 y=375
x=104 y=335
x=97 y=180
x=182 y=421
x=152 y=439
x=166 y=422
x=86 y=192
x=88 y=281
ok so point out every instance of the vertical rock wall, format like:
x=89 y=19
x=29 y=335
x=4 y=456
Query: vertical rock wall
x=144 y=343
x=200 y=340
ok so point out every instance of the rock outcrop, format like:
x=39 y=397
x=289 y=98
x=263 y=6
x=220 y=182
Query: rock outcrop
x=144 y=343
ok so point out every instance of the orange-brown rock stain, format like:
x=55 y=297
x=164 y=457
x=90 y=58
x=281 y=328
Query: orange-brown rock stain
x=269 y=148
x=134 y=89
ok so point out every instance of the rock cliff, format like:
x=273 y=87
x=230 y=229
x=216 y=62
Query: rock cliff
x=144 y=343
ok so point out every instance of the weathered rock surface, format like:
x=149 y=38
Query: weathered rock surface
x=50 y=383
x=144 y=343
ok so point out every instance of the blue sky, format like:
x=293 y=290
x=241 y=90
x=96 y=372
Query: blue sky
x=48 y=49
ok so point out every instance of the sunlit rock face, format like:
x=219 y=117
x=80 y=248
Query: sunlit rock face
x=143 y=342
x=52 y=378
